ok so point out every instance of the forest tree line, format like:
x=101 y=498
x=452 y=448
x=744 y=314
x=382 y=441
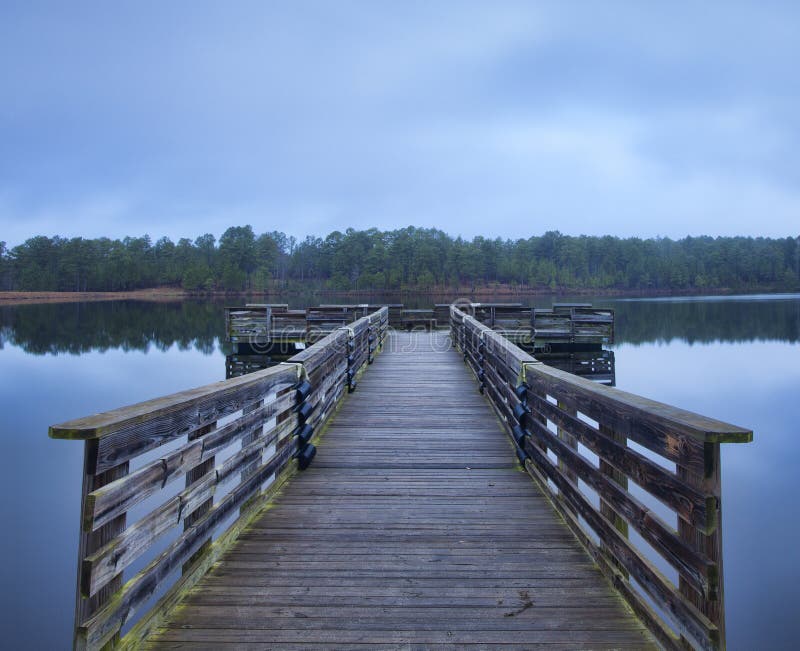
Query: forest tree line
x=404 y=259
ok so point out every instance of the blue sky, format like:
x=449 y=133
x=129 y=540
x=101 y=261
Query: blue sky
x=494 y=118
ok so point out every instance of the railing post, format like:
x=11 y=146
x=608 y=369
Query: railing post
x=707 y=544
x=371 y=346
x=570 y=441
x=617 y=521
x=534 y=415
x=384 y=326
x=91 y=541
x=251 y=467
x=199 y=471
x=270 y=325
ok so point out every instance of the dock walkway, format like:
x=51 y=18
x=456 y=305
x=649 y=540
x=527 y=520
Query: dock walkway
x=415 y=528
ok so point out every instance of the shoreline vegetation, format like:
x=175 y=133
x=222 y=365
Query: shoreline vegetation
x=155 y=294
x=405 y=261
x=497 y=293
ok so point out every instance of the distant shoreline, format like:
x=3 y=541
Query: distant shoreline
x=175 y=294
x=29 y=298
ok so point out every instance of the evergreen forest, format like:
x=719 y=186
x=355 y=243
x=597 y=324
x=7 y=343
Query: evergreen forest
x=422 y=259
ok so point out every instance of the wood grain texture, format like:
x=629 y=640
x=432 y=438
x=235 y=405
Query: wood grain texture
x=98 y=629
x=413 y=527
x=557 y=413
x=171 y=406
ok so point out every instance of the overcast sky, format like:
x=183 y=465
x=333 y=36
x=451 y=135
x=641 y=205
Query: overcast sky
x=493 y=118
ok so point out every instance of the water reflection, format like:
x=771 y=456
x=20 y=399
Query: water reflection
x=122 y=352
x=76 y=328
x=42 y=528
x=736 y=319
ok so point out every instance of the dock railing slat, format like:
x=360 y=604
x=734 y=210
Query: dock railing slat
x=234 y=442
x=588 y=445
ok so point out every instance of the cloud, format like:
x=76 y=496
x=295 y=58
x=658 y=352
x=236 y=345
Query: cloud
x=500 y=119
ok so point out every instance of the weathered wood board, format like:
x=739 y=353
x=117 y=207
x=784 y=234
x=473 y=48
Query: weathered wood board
x=415 y=528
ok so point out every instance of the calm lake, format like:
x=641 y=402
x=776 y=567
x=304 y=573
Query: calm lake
x=733 y=358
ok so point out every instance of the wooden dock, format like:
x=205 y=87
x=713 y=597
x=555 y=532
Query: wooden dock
x=416 y=527
x=258 y=328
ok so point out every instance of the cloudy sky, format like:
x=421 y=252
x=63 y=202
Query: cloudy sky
x=494 y=118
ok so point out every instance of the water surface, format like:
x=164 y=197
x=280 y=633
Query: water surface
x=736 y=359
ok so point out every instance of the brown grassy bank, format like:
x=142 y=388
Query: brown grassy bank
x=484 y=293
x=27 y=298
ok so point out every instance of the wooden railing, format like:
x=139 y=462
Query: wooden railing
x=259 y=325
x=613 y=464
x=177 y=478
x=573 y=323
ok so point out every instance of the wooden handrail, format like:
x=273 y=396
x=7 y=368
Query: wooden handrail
x=573 y=436
x=174 y=406
x=227 y=441
x=262 y=325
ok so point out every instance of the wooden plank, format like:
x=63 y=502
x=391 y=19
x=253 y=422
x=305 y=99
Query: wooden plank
x=266 y=401
x=199 y=477
x=90 y=541
x=100 y=425
x=697 y=569
x=660 y=427
x=694 y=550
x=414 y=521
x=688 y=502
x=156 y=616
x=693 y=622
x=707 y=543
x=222 y=437
x=108 y=621
x=130 y=431
x=119 y=496
x=653 y=621
x=615 y=506
x=99 y=568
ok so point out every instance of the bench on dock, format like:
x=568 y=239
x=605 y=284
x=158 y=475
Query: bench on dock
x=413 y=525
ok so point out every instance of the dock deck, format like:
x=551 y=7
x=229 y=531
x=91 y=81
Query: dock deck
x=416 y=528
